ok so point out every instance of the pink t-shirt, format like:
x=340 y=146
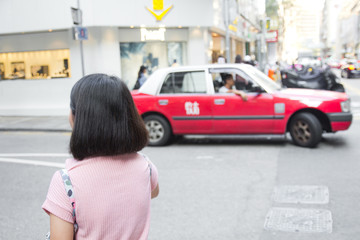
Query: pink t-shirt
x=112 y=196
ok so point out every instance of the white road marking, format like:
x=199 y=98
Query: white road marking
x=355 y=110
x=33 y=162
x=304 y=194
x=35 y=155
x=355 y=104
x=204 y=157
x=299 y=220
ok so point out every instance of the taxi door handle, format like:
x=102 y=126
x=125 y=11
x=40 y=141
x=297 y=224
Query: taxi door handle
x=219 y=101
x=163 y=102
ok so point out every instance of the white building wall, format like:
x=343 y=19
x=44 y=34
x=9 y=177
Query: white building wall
x=197 y=50
x=124 y=13
x=35 y=41
x=18 y=16
x=39 y=15
x=102 y=51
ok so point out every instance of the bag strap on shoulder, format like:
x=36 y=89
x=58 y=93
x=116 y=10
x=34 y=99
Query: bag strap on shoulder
x=70 y=192
x=147 y=160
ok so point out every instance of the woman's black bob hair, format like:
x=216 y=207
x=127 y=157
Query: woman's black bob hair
x=106 y=121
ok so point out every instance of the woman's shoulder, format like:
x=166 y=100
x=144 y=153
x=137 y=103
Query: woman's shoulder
x=72 y=163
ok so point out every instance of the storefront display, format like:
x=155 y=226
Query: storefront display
x=152 y=55
x=217 y=47
x=35 y=64
x=17 y=70
x=39 y=71
x=2 y=71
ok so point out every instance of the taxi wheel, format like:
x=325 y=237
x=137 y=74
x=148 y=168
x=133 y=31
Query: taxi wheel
x=159 y=130
x=305 y=130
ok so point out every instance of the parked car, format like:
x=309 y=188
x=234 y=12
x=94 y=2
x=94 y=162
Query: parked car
x=351 y=70
x=185 y=100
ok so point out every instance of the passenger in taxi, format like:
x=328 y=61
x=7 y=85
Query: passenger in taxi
x=228 y=87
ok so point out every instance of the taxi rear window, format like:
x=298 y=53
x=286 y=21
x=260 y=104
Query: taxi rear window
x=184 y=82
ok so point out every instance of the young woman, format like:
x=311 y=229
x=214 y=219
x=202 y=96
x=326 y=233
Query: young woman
x=112 y=183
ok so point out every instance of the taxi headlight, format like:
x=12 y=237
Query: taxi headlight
x=345 y=106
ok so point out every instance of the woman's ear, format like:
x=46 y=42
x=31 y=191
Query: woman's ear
x=71 y=119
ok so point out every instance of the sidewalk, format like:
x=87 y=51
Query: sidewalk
x=35 y=123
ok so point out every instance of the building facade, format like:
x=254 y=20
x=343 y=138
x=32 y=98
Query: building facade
x=330 y=28
x=40 y=60
x=300 y=28
x=348 y=37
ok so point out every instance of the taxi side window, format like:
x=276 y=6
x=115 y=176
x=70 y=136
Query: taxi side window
x=184 y=82
x=217 y=81
x=242 y=80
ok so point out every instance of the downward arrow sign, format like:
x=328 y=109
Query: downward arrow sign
x=159 y=17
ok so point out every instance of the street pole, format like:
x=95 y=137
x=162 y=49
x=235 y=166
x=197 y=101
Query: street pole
x=81 y=43
x=263 y=45
x=258 y=45
x=227 y=36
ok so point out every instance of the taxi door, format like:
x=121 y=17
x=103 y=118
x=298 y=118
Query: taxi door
x=233 y=115
x=183 y=99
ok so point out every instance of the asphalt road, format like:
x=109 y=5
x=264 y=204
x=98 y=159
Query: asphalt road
x=220 y=188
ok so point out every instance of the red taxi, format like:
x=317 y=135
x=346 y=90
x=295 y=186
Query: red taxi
x=185 y=100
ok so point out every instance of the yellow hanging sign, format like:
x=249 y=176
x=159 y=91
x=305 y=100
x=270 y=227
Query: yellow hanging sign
x=232 y=26
x=158 y=5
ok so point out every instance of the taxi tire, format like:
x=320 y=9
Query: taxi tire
x=161 y=124
x=305 y=130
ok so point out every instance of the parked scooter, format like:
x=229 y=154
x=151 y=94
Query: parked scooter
x=311 y=77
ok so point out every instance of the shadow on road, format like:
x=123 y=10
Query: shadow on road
x=334 y=141
x=330 y=140
x=231 y=140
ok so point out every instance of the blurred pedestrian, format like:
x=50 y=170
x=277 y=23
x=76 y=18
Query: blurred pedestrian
x=142 y=75
x=238 y=59
x=221 y=59
x=248 y=60
x=112 y=183
x=174 y=64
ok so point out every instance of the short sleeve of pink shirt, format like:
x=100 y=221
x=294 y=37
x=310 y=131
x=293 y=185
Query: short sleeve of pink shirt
x=57 y=202
x=128 y=182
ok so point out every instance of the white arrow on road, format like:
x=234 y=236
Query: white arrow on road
x=33 y=162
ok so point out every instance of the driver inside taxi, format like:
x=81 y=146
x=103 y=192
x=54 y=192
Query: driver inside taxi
x=228 y=87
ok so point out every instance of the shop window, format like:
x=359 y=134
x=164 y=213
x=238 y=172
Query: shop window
x=152 y=55
x=35 y=65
